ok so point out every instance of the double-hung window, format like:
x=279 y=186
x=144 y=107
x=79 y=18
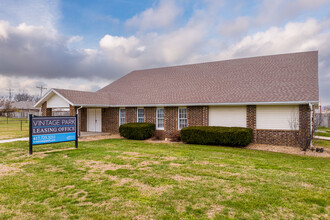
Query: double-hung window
x=140 y=115
x=122 y=116
x=160 y=118
x=182 y=118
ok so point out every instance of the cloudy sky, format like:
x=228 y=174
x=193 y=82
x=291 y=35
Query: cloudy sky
x=85 y=45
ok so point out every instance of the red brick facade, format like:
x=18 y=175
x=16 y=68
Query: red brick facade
x=82 y=115
x=198 y=116
x=281 y=137
x=45 y=111
x=130 y=114
x=72 y=110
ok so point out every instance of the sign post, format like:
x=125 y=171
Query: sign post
x=76 y=142
x=52 y=129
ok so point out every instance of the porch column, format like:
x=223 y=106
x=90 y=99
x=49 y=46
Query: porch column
x=45 y=111
x=72 y=110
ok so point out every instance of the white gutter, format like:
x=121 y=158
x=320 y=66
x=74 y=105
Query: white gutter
x=311 y=125
x=77 y=112
x=199 y=104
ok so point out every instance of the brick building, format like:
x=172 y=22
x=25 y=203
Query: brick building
x=274 y=95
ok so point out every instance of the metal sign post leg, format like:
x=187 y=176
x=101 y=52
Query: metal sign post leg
x=76 y=142
x=30 y=134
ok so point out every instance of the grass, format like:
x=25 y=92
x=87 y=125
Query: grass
x=12 y=129
x=325 y=132
x=132 y=179
x=321 y=143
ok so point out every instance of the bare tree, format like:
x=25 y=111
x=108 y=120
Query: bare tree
x=303 y=139
x=23 y=96
x=8 y=109
x=317 y=121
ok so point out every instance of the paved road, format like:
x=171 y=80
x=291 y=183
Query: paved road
x=12 y=140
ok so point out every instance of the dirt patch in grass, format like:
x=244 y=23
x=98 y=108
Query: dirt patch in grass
x=8 y=170
x=211 y=213
x=100 y=137
x=98 y=166
x=288 y=150
x=148 y=163
x=175 y=165
x=185 y=178
x=150 y=190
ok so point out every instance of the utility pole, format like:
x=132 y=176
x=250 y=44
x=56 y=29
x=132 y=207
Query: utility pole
x=41 y=89
x=10 y=90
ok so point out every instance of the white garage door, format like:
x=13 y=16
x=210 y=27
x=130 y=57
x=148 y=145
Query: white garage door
x=281 y=117
x=228 y=116
x=94 y=120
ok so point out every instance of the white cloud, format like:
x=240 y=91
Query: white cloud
x=30 y=52
x=156 y=18
x=75 y=39
x=114 y=44
x=36 y=12
x=233 y=28
x=293 y=37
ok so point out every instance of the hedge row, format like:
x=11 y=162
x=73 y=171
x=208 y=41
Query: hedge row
x=137 y=131
x=229 y=136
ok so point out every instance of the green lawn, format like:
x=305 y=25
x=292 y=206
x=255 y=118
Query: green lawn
x=325 y=132
x=321 y=143
x=133 y=179
x=12 y=129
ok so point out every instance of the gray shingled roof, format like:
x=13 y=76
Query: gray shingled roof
x=277 y=78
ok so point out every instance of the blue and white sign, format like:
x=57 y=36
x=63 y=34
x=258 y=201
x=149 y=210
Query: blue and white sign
x=46 y=130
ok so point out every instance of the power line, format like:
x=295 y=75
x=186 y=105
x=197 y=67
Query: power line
x=41 y=89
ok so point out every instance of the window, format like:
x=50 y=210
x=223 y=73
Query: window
x=122 y=116
x=140 y=115
x=160 y=118
x=182 y=118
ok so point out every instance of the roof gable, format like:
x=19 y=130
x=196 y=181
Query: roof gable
x=277 y=78
x=285 y=78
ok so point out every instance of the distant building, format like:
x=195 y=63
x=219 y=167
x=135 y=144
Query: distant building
x=23 y=109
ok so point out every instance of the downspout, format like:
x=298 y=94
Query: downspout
x=311 y=125
x=78 y=119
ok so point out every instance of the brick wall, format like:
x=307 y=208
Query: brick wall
x=45 y=111
x=113 y=120
x=82 y=115
x=105 y=119
x=171 y=121
x=130 y=114
x=72 y=110
x=150 y=115
x=197 y=116
x=251 y=112
x=281 y=137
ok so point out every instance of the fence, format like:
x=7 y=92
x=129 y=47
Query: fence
x=13 y=127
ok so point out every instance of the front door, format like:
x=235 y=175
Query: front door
x=94 y=120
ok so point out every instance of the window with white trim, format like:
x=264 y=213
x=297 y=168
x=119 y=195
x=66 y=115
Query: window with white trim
x=182 y=118
x=160 y=118
x=122 y=116
x=140 y=115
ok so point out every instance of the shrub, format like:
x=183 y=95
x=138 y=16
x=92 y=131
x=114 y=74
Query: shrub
x=230 y=136
x=137 y=131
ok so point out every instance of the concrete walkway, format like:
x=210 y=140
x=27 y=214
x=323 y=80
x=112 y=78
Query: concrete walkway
x=322 y=138
x=15 y=139
x=82 y=136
